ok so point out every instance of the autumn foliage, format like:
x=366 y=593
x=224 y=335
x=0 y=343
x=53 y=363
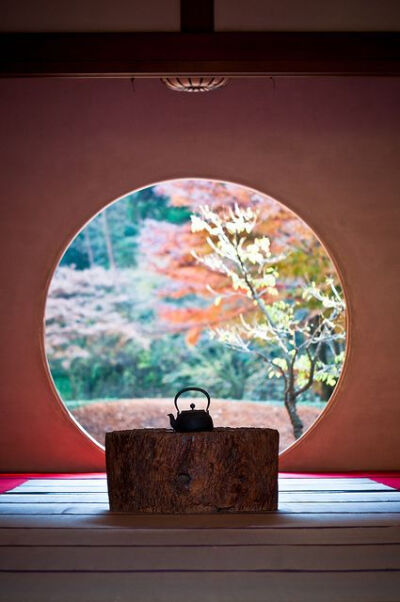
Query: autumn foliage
x=171 y=251
x=196 y=281
x=262 y=282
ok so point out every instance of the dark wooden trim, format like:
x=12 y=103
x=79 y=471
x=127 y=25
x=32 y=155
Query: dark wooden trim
x=236 y=54
x=197 y=16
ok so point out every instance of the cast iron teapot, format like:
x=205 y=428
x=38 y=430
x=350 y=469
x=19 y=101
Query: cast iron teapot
x=191 y=420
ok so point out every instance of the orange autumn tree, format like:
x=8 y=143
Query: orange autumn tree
x=171 y=250
x=212 y=291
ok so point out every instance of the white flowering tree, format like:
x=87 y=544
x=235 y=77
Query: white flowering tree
x=283 y=328
x=90 y=321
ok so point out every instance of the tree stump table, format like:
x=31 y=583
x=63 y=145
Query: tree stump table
x=163 y=472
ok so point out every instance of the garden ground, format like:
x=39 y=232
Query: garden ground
x=99 y=417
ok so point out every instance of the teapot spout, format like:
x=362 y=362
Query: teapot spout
x=172 y=420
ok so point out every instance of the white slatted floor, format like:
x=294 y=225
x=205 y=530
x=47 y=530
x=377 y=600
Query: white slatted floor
x=332 y=540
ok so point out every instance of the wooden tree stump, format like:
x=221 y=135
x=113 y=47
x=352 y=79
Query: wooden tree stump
x=163 y=472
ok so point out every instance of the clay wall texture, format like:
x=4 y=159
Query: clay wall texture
x=230 y=15
x=328 y=148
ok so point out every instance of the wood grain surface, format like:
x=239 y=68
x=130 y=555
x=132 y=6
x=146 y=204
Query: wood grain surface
x=225 y=470
x=332 y=540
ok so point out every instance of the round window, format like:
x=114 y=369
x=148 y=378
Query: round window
x=196 y=283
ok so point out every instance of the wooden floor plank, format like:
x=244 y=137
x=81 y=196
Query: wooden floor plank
x=201 y=587
x=333 y=540
x=291 y=496
x=249 y=558
x=199 y=537
x=285 y=485
x=293 y=482
x=272 y=520
x=284 y=507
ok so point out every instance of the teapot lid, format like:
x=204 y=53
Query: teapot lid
x=192 y=410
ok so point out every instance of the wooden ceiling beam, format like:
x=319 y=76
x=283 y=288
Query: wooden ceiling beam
x=231 y=54
x=197 y=16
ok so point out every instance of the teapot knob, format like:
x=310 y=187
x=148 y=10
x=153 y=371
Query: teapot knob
x=192 y=406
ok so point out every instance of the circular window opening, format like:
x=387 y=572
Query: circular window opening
x=195 y=283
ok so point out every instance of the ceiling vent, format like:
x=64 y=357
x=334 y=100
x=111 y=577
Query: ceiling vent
x=194 y=84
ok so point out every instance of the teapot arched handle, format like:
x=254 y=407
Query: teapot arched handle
x=192 y=389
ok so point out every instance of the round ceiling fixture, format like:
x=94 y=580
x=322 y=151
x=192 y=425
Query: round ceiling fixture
x=194 y=84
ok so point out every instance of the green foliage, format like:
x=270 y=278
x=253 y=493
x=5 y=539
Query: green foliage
x=159 y=371
x=104 y=334
x=125 y=219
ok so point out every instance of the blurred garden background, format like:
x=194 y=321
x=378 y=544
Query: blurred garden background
x=195 y=283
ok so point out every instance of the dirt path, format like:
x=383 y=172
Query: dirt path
x=99 y=417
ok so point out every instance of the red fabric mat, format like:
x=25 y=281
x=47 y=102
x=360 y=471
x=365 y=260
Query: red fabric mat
x=391 y=479
x=6 y=484
x=9 y=481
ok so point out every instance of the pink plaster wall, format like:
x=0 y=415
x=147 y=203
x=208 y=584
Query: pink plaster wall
x=91 y=15
x=230 y=15
x=307 y=15
x=327 y=148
